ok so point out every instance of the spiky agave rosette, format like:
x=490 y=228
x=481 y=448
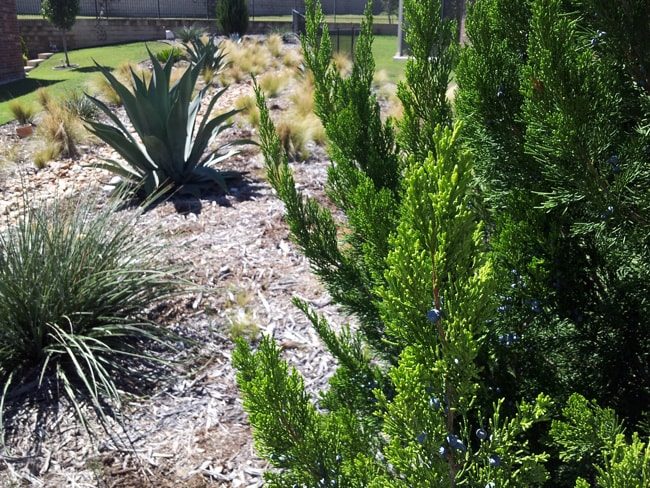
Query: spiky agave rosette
x=170 y=151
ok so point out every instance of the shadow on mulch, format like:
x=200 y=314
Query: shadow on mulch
x=47 y=399
x=241 y=188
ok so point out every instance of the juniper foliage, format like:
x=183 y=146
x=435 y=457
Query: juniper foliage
x=432 y=42
x=593 y=443
x=411 y=402
x=380 y=420
x=554 y=96
x=363 y=180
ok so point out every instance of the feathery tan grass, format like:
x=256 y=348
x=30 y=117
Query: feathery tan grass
x=249 y=110
x=273 y=83
x=22 y=112
x=101 y=88
x=302 y=97
x=292 y=59
x=293 y=138
x=274 y=44
x=60 y=131
x=342 y=63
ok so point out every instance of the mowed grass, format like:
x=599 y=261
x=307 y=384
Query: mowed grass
x=60 y=82
x=384 y=49
x=339 y=19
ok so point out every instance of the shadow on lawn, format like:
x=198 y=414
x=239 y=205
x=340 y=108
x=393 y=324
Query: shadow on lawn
x=23 y=87
x=89 y=69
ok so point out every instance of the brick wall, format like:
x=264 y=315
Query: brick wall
x=39 y=34
x=196 y=8
x=11 y=60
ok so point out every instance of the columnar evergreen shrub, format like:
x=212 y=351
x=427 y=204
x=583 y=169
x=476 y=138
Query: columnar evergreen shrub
x=421 y=396
x=232 y=17
x=363 y=180
x=554 y=97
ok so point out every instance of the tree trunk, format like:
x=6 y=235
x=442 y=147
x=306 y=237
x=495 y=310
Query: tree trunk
x=65 y=48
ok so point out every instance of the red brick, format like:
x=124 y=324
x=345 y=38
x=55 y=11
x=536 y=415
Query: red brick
x=11 y=60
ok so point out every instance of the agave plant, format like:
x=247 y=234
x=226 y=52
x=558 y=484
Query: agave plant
x=172 y=153
x=189 y=33
x=210 y=51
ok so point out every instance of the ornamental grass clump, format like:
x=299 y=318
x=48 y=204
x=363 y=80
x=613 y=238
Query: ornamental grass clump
x=170 y=150
x=22 y=112
x=59 y=129
x=75 y=286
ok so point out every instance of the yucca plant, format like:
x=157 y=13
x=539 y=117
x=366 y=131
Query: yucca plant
x=77 y=104
x=75 y=286
x=171 y=152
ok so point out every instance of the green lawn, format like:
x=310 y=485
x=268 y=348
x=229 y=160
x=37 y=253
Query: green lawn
x=384 y=49
x=352 y=19
x=60 y=82
x=378 y=19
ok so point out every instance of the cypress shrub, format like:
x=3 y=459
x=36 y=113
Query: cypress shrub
x=232 y=17
x=423 y=394
x=555 y=101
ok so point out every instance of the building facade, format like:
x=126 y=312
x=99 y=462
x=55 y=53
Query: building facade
x=11 y=58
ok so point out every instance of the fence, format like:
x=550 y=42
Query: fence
x=194 y=8
x=131 y=8
x=343 y=39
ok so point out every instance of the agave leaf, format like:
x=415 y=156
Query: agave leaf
x=211 y=106
x=211 y=175
x=159 y=85
x=104 y=108
x=165 y=160
x=139 y=84
x=215 y=157
x=207 y=133
x=121 y=89
x=140 y=119
x=165 y=118
x=135 y=154
x=178 y=120
x=193 y=111
x=153 y=181
x=121 y=169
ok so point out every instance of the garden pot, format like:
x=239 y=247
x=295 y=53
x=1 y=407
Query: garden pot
x=23 y=131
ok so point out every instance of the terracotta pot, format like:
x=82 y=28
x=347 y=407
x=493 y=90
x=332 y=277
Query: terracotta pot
x=23 y=131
